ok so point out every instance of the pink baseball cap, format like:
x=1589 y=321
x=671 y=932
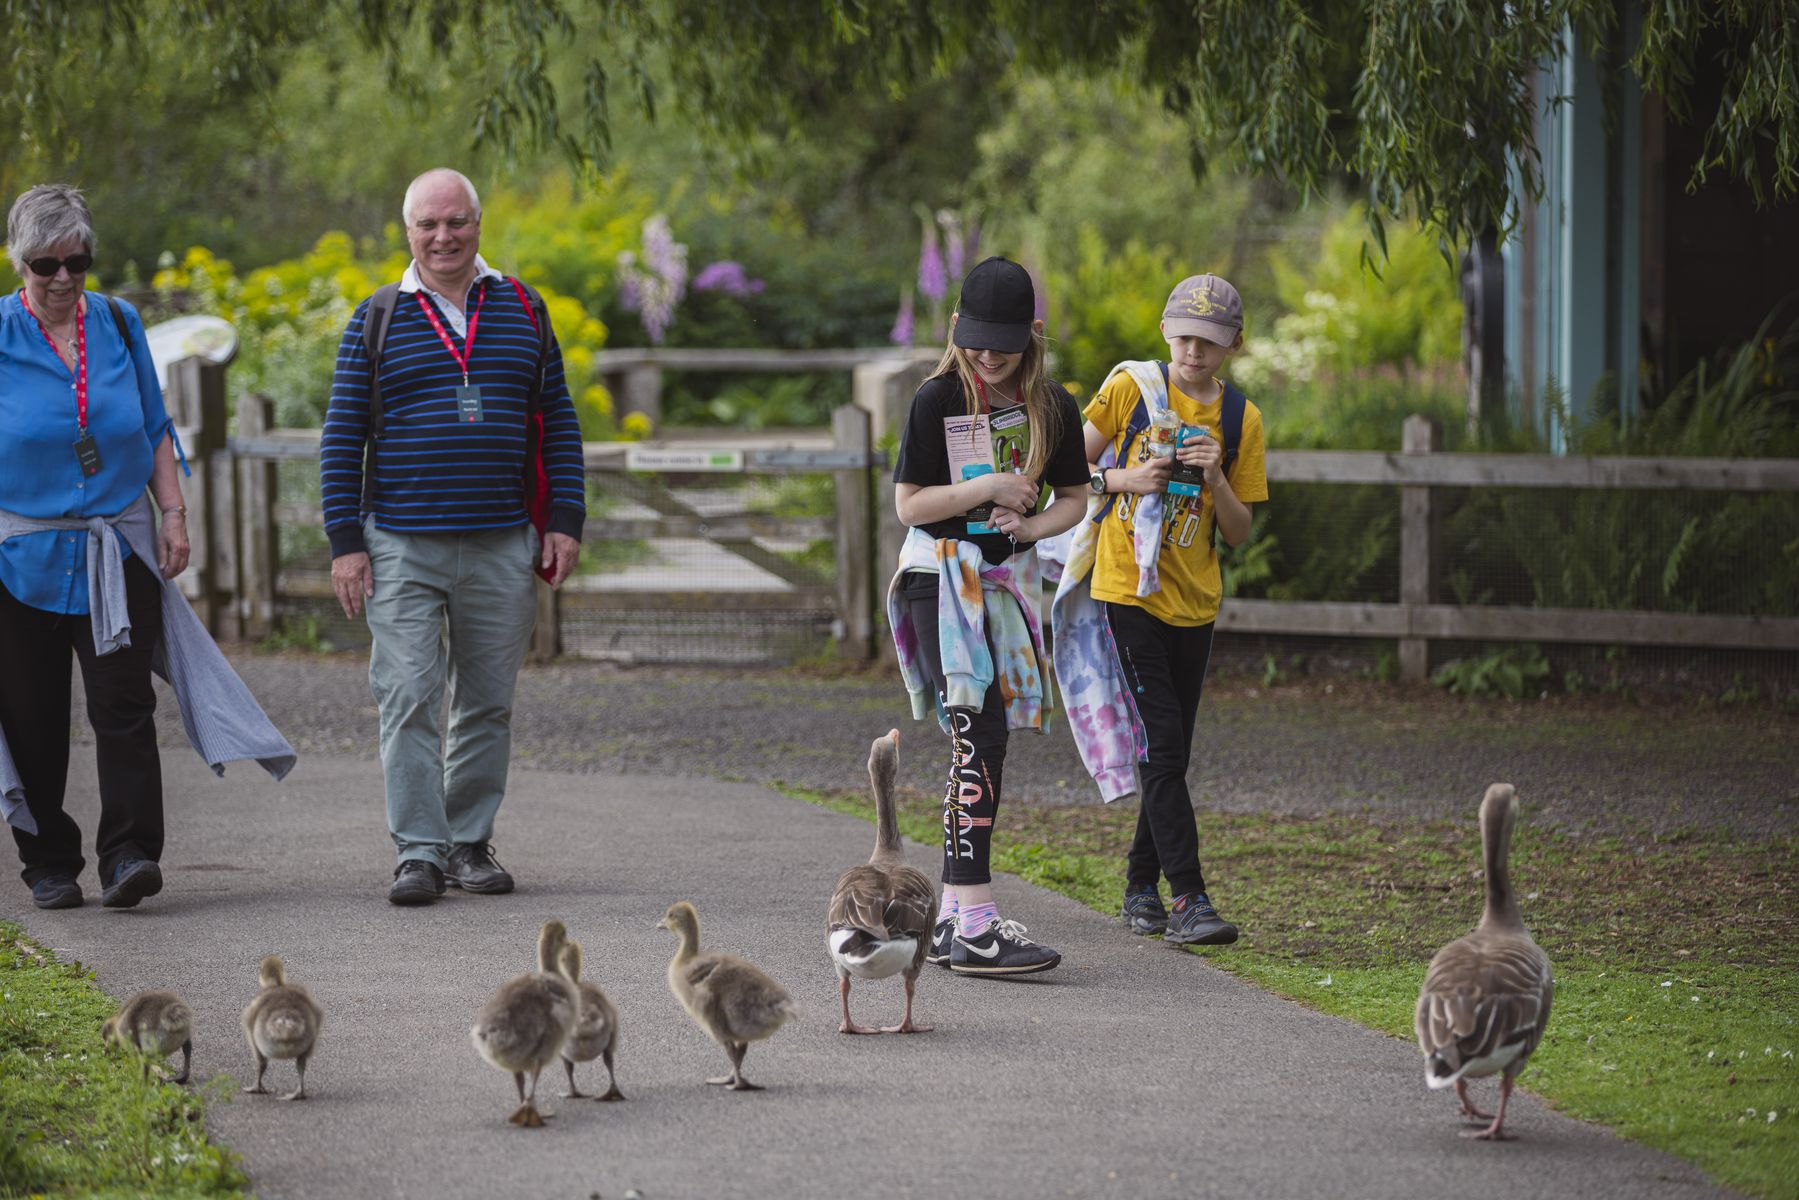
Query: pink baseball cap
x=1203 y=306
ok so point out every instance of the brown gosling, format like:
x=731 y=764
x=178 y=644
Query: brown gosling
x=595 y=1034
x=157 y=1024
x=281 y=1022
x=880 y=919
x=1485 y=1001
x=728 y=997
x=522 y=1028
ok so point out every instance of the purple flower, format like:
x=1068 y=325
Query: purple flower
x=728 y=277
x=654 y=292
x=903 y=325
x=932 y=283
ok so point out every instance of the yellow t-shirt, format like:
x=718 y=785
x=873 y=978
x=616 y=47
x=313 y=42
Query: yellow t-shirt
x=1187 y=563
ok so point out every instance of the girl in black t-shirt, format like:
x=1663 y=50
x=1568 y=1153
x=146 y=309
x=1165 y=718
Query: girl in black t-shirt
x=992 y=368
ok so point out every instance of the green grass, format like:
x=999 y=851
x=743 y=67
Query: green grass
x=1676 y=1018
x=76 y=1120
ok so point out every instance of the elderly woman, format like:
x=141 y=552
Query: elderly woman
x=86 y=432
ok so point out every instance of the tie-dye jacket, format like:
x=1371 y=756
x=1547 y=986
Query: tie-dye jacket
x=1102 y=716
x=968 y=602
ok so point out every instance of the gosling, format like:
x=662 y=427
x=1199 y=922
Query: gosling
x=595 y=1034
x=281 y=1022
x=157 y=1024
x=731 y=999
x=523 y=1028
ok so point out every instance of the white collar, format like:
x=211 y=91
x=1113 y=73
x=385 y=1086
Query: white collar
x=410 y=282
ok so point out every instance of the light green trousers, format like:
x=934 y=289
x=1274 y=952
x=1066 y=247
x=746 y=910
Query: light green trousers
x=456 y=609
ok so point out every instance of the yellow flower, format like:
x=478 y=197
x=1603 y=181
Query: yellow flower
x=635 y=427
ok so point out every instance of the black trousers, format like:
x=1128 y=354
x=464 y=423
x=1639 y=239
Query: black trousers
x=1165 y=666
x=977 y=751
x=121 y=706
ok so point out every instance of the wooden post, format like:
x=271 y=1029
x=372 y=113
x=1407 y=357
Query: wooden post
x=259 y=547
x=546 y=635
x=855 y=537
x=196 y=401
x=643 y=391
x=884 y=391
x=1418 y=520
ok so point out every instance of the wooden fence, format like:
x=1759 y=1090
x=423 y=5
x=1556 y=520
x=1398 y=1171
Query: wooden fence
x=235 y=568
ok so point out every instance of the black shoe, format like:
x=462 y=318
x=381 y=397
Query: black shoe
x=416 y=881
x=1000 y=949
x=56 y=891
x=941 y=938
x=1143 y=910
x=473 y=868
x=1194 y=922
x=134 y=879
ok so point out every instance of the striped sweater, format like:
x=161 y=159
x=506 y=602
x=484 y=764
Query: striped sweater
x=435 y=472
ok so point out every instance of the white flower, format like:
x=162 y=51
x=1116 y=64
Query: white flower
x=1326 y=981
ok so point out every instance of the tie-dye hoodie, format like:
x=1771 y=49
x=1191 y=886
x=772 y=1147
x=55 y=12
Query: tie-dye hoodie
x=970 y=599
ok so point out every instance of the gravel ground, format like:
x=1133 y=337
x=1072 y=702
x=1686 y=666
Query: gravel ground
x=1597 y=764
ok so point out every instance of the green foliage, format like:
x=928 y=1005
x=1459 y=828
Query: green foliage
x=1112 y=307
x=1514 y=673
x=78 y=1119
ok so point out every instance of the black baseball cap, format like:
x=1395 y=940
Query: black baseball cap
x=996 y=308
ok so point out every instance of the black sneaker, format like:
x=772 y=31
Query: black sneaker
x=416 y=881
x=1194 y=922
x=1143 y=911
x=1000 y=949
x=56 y=891
x=473 y=868
x=941 y=938
x=133 y=879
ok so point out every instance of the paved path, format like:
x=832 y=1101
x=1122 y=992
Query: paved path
x=1134 y=1071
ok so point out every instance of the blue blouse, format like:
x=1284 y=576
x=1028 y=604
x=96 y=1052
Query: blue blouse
x=39 y=473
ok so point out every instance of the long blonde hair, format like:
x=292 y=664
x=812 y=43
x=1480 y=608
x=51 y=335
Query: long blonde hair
x=1033 y=389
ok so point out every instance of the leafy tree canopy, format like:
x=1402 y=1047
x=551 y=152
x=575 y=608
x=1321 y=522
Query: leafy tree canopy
x=1428 y=106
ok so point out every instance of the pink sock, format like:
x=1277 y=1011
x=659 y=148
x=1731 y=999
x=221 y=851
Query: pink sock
x=946 y=909
x=972 y=921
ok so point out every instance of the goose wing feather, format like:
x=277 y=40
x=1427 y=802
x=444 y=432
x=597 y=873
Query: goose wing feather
x=861 y=901
x=1483 y=994
x=739 y=1001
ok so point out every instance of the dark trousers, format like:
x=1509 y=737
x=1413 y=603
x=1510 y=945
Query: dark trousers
x=977 y=751
x=121 y=707
x=1165 y=666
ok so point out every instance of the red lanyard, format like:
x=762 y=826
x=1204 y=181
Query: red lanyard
x=468 y=342
x=80 y=356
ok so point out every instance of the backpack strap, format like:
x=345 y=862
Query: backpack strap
x=540 y=321
x=374 y=339
x=1230 y=431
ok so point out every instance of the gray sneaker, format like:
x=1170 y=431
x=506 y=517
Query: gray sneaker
x=1192 y=921
x=473 y=868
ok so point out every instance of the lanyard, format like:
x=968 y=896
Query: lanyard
x=80 y=356
x=468 y=342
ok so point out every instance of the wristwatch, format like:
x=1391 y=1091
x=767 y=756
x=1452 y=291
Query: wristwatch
x=1097 y=481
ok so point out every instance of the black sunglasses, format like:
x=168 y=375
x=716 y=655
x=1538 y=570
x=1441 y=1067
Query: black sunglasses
x=77 y=263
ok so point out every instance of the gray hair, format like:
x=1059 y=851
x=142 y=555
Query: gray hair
x=47 y=214
x=432 y=176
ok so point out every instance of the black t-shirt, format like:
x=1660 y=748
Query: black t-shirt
x=924 y=457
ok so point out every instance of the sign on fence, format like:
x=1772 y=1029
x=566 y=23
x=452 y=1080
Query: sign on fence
x=647 y=458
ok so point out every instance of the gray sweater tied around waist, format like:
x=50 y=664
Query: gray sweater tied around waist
x=222 y=719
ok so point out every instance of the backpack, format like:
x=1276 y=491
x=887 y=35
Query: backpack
x=1230 y=426
x=536 y=482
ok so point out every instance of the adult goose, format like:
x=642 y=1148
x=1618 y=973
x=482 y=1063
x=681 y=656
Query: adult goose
x=1486 y=996
x=728 y=997
x=157 y=1024
x=522 y=1028
x=282 y=1021
x=881 y=913
x=595 y=1034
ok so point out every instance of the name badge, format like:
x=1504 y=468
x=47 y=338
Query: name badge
x=87 y=453
x=468 y=402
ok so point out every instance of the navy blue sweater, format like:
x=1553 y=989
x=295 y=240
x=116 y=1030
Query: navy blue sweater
x=434 y=472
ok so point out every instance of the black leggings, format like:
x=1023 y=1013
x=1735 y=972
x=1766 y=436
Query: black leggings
x=1165 y=666
x=977 y=750
x=121 y=708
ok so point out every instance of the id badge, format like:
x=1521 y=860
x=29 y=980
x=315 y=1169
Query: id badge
x=468 y=402
x=87 y=453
